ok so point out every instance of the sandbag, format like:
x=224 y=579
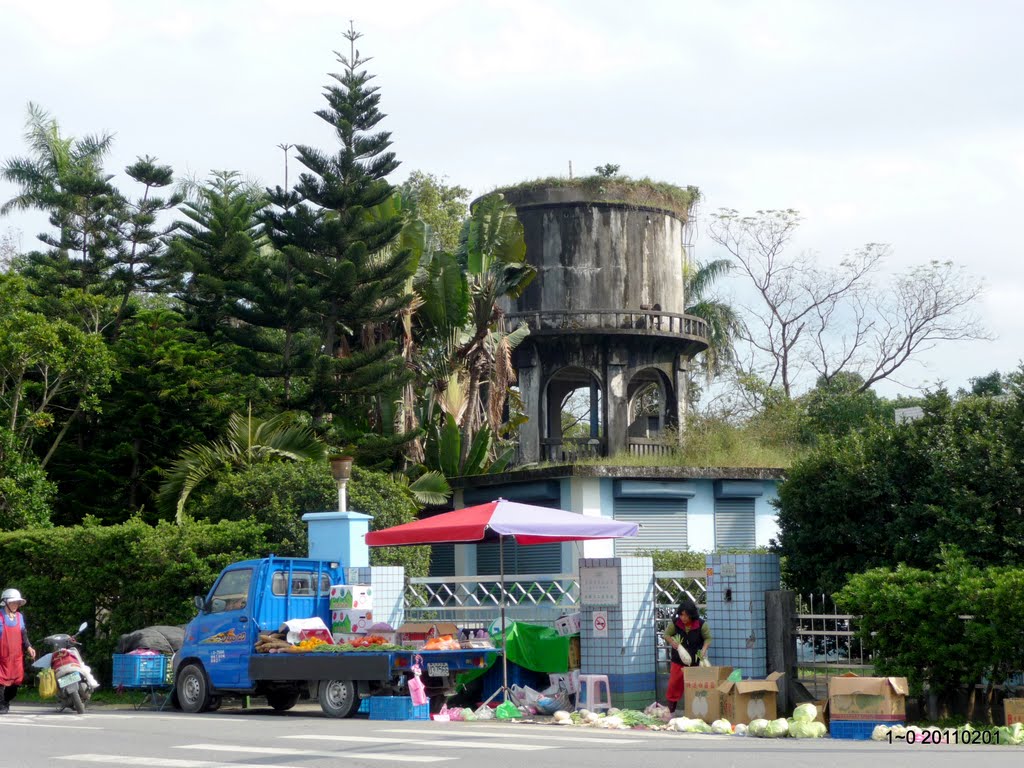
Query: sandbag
x=162 y=639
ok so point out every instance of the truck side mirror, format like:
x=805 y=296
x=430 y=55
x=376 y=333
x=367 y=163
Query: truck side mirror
x=199 y=602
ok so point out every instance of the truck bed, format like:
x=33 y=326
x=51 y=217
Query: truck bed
x=362 y=665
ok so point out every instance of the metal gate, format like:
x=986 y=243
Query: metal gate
x=826 y=644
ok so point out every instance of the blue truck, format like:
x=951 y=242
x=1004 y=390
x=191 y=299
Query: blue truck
x=218 y=657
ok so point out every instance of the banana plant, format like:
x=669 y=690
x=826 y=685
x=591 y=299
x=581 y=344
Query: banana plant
x=444 y=451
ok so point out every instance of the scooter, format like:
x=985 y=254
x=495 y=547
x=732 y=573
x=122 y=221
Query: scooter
x=75 y=682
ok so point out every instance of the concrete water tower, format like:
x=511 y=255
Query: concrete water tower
x=604 y=369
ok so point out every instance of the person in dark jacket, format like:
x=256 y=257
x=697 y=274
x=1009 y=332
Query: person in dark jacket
x=14 y=645
x=688 y=638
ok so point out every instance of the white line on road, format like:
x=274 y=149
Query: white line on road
x=26 y=724
x=523 y=732
x=176 y=718
x=164 y=762
x=285 y=751
x=436 y=743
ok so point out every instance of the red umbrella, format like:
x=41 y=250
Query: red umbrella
x=526 y=523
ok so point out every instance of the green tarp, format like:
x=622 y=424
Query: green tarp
x=531 y=646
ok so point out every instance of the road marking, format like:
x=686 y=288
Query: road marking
x=177 y=718
x=437 y=743
x=165 y=762
x=400 y=758
x=546 y=735
x=26 y=724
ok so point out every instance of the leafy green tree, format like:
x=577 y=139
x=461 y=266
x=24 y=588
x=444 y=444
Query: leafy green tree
x=898 y=493
x=50 y=371
x=724 y=323
x=279 y=494
x=25 y=492
x=442 y=207
x=841 y=405
x=247 y=442
x=175 y=388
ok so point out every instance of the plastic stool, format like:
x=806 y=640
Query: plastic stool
x=590 y=689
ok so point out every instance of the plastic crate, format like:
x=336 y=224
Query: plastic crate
x=856 y=729
x=136 y=671
x=397 y=708
x=364 y=706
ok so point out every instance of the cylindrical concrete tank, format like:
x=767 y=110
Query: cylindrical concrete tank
x=611 y=248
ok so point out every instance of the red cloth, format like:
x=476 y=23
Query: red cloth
x=12 y=654
x=675 y=682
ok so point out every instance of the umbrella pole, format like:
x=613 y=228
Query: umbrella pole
x=504 y=639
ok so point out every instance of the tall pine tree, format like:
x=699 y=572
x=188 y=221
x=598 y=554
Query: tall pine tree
x=350 y=259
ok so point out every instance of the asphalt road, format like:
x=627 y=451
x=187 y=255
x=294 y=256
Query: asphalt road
x=38 y=737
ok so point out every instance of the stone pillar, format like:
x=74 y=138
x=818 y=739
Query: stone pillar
x=339 y=537
x=736 y=609
x=616 y=401
x=625 y=651
x=681 y=382
x=529 y=377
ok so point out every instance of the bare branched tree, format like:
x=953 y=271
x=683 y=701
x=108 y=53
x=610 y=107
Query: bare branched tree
x=838 y=319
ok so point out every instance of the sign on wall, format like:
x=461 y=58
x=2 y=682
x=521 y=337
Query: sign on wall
x=600 y=623
x=599 y=586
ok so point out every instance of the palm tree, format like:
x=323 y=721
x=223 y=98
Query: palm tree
x=248 y=441
x=724 y=324
x=58 y=167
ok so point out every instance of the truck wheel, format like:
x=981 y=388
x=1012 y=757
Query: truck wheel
x=337 y=697
x=282 y=700
x=193 y=692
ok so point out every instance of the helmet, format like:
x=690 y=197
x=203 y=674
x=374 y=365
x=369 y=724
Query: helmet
x=12 y=596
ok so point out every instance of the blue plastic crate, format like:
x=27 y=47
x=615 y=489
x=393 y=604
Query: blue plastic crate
x=135 y=671
x=397 y=708
x=856 y=729
x=364 y=706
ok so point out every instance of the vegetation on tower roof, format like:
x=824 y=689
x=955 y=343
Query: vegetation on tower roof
x=615 y=189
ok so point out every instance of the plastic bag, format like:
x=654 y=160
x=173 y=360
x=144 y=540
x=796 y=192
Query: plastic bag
x=484 y=712
x=659 y=711
x=507 y=711
x=47 y=684
x=524 y=695
x=417 y=691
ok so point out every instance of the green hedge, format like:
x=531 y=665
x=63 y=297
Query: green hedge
x=119 y=578
x=911 y=621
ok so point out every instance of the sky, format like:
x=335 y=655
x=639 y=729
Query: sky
x=880 y=121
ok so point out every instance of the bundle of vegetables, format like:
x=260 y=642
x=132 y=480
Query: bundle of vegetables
x=270 y=642
x=688 y=725
x=349 y=647
x=368 y=641
x=636 y=719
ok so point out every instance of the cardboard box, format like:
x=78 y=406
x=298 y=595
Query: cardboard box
x=575 y=657
x=568 y=681
x=568 y=625
x=345 y=622
x=749 y=700
x=878 y=699
x=417 y=633
x=701 y=697
x=346 y=597
x=1014 y=710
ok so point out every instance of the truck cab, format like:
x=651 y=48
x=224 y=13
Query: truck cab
x=249 y=597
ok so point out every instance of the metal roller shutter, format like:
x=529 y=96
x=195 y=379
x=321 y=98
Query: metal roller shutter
x=442 y=560
x=537 y=558
x=662 y=524
x=734 y=524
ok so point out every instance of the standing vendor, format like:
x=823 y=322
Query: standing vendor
x=689 y=638
x=14 y=645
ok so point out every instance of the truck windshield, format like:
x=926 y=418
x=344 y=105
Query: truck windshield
x=231 y=592
x=303 y=583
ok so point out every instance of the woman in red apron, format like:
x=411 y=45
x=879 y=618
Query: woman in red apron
x=13 y=646
x=688 y=638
